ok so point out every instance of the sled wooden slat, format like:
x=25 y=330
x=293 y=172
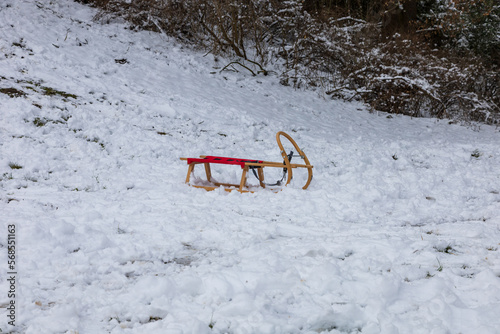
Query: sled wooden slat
x=246 y=165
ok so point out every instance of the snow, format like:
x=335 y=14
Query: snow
x=398 y=232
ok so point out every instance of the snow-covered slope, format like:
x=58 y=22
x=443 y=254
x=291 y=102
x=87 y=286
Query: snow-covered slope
x=399 y=232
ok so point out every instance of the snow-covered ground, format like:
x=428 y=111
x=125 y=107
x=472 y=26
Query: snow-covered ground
x=399 y=232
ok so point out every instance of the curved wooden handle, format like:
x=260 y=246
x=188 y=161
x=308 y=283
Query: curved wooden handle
x=287 y=161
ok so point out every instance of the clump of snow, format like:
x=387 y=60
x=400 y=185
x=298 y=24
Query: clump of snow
x=398 y=232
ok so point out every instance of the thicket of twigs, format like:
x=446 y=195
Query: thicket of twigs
x=438 y=58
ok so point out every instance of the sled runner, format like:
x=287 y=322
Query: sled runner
x=256 y=166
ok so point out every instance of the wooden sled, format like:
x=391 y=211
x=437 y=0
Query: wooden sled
x=256 y=166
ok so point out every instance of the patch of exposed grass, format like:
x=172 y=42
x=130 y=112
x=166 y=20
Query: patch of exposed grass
x=13 y=165
x=39 y=122
x=21 y=44
x=97 y=141
x=163 y=133
x=476 y=154
x=448 y=249
x=86 y=189
x=440 y=268
x=49 y=91
x=12 y=92
x=36 y=86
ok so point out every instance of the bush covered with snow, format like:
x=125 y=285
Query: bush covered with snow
x=435 y=58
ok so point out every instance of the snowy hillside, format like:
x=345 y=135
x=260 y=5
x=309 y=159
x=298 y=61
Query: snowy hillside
x=399 y=231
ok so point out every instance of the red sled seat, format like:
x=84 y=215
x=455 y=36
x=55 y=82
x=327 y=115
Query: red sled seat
x=222 y=160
